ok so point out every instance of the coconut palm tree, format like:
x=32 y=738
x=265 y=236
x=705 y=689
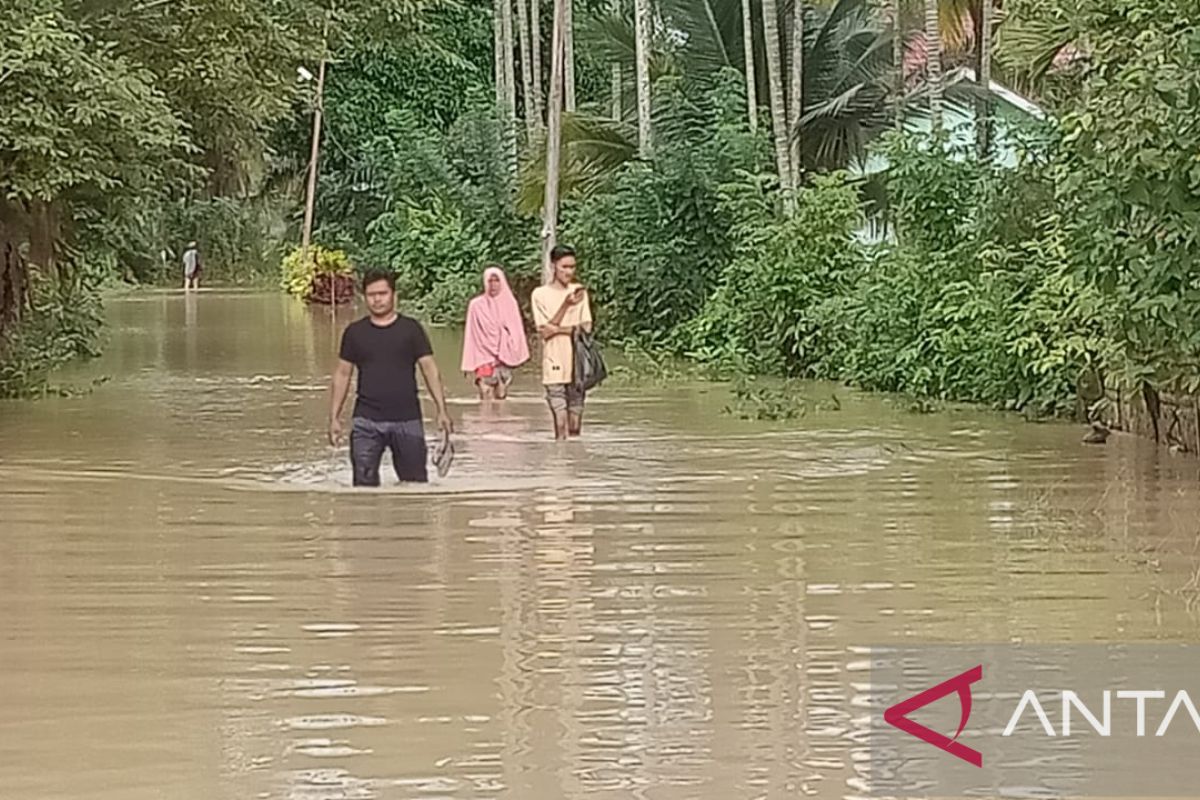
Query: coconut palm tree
x=535 y=38
x=846 y=93
x=983 y=74
x=933 y=64
x=569 y=56
x=900 y=86
x=779 y=128
x=642 y=27
x=796 y=96
x=748 y=64
x=506 y=90
x=498 y=54
x=612 y=38
x=526 y=54
x=592 y=148
x=846 y=79
x=1028 y=48
x=847 y=84
x=616 y=71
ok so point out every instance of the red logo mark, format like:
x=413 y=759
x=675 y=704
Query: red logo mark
x=897 y=715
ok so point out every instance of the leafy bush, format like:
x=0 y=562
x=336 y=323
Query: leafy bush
x=978 y=301
x=63 y=322
x=1128 y=181
x=300 y=273
x=763 y=314
x=1008 y=327
x=933 y=191
x=437 y=254
x=654 y=244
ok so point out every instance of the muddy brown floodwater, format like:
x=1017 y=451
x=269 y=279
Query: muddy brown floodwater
x=194 y=604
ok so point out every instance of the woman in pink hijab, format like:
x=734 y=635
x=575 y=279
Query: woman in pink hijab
x=494 y=342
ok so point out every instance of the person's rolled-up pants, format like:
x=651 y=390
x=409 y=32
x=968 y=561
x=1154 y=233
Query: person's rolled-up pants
x=369 y=438
x=565 y=397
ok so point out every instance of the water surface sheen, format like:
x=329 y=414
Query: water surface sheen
x=194 y=604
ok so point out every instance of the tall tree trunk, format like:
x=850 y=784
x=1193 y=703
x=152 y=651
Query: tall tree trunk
x=900 y=86
x=553 y=137
x=617 y=104
x=535 y=36
x=569 y=55
x=13 y=291
x=933 y=64
x=641 y=10
x=748 y=61
x=983 y=73
x=498 y=55
x=45 y=232
x=526 y=51
x=510 y=77
x=770 y=16
x=796 y=99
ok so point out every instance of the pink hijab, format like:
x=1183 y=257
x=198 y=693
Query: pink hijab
x=495 y=332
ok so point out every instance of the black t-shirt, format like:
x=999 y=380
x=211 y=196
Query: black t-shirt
x=386 y=358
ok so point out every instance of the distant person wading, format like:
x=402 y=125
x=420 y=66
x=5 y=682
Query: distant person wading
x=386 y=348
x=191 y=267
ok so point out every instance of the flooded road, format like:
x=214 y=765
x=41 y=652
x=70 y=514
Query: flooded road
x=194 y=603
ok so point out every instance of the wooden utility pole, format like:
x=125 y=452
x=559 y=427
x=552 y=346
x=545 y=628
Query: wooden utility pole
x=553 y=138
x=311 y=198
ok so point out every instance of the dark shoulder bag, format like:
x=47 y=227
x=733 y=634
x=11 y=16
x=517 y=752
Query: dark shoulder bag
x=590 y=369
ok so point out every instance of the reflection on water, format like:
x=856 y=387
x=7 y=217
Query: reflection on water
x=195 y=604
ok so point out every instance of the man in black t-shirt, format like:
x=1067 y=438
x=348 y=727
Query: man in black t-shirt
x=386 y=347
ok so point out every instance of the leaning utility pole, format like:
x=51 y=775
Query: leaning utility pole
x=553 y=137
x=311 y=198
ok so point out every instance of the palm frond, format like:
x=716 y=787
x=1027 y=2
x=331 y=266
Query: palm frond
x=960 y=98
x=611 y=39
x=593 y=149
x=1030 y=47
x=847 y=84
x=711 y=30
x=607 y=37
x=831 y=108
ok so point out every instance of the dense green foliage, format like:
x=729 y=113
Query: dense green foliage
x=1025 y=288
x=132 y=128
x=763 y=314
x=974 y=302
x=657 y=236
x=1129 y=180
x=62 y=323
x=1028 y=288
